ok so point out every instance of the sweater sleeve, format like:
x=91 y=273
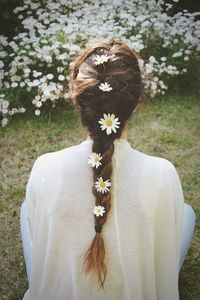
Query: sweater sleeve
x=167 y=231
x=30 y=196
x=177 y=198
x=174 y=198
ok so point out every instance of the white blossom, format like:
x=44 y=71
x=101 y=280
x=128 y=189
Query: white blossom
x=61 y=77
x=105 y=87
x=100 y=59
x=102 y=186
x=38 y=104
x=109 y=123
x=186 y=58
x=50 y=76
x=37 y=112
x=4 y=122
x=94 y=160
x=99 y=210
x=14 y=84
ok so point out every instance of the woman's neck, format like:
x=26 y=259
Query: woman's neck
x=124 y=134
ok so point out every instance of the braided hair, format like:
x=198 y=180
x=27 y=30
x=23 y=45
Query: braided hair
x=122 y=72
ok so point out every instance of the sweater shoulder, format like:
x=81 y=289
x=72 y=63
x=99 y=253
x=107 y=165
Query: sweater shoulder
x=56 y=160
x=151 y=162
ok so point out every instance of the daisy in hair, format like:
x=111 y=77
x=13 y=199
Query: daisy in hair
x=94 y=160
x=99 y=210
x=102 y=186
x=105 y=87
x=100 y=59
x=109 y=123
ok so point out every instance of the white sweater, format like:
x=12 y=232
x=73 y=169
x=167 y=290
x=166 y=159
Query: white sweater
x=141 y=234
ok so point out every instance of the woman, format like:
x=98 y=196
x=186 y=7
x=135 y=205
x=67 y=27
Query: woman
x=105 y=219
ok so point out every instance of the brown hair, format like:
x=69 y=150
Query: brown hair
x=122 y=72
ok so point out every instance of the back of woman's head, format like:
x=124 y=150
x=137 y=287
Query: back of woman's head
x=105 y=87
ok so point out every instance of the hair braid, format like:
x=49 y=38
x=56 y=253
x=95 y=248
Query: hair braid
x=123 y=73
x=94 y=255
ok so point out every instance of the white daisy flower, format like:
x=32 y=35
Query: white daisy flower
x=105 y=87
x=99 y=210
x=50 y=76
x=109 y=123
x=37 y=112
x=94 y=160
x=100 y=59
x=102 y=186
x=61 y=77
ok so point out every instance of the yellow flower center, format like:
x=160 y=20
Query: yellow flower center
x=98 y=210
x=109 y=123
x=96 y=159
x=102 y=184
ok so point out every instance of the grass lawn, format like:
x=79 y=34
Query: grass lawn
x=168 y=128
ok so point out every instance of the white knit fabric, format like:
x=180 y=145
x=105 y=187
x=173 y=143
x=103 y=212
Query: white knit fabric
x=141 y=234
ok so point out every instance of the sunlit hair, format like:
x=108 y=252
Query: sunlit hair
x=122 y=72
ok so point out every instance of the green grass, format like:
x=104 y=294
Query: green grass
x=168 y=127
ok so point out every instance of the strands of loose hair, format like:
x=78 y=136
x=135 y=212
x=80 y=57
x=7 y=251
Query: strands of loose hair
x=122 y=73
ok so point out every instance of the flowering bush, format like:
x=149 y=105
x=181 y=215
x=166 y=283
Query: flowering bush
x=38 y=58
